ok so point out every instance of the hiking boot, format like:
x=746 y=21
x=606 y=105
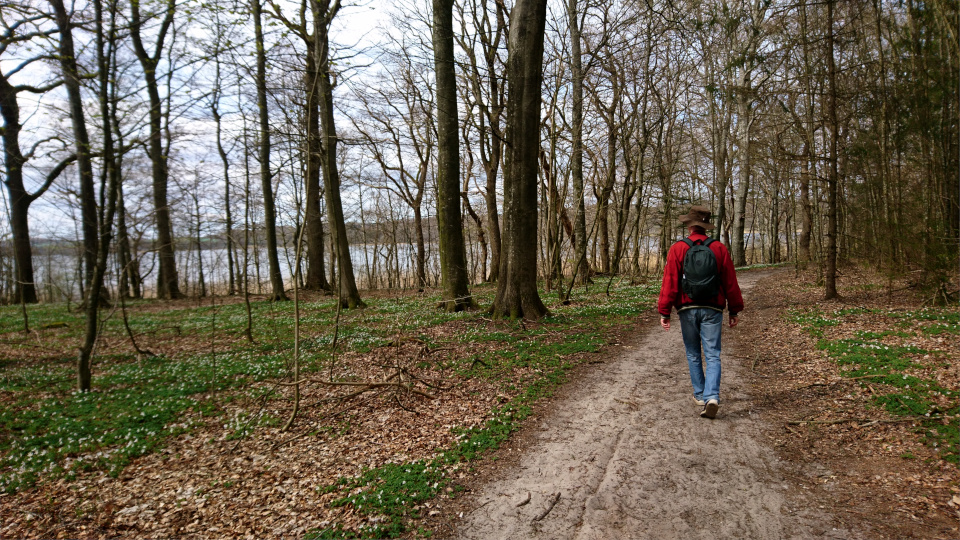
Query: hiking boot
x=710 y=409
x=699 y=402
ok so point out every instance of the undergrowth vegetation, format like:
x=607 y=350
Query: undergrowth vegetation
x=202 y=362
x=391 y=495
x=901 y=357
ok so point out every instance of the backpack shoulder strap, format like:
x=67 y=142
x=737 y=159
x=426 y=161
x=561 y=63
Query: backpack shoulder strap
x=688 y=242
x=709 y=241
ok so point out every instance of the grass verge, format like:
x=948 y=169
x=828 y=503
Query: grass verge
x=893 y=362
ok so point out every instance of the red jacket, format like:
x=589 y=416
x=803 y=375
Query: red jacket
x=671 y=293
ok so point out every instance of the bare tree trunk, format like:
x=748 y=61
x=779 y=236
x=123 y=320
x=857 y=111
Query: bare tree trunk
x=88 y=202
x=72 y=78
x=830 y=271
x=582 y=270
x=323 y=14
x=517 y=295
x=738 y=249
x=603 y=198
x=464 y=195
x=266 y=176
x=20 y=200
x=225 y=160
x=316 y=262
x=167 y=281
x=25 y=290
x=453 y=253
x=128 y=284
x=248 y=329
x=808 y=162
x=493 y=221
x=420 y=261
x=202 y=283
x=806 y=211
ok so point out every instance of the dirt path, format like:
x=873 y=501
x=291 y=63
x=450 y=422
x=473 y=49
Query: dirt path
x=630 y=458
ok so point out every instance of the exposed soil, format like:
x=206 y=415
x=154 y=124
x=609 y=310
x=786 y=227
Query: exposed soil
x=624 y=454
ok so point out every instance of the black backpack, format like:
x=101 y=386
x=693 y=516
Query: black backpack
x=701 y=277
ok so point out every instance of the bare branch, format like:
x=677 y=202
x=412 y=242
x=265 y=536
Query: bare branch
x=26 y=63
x=51 y=176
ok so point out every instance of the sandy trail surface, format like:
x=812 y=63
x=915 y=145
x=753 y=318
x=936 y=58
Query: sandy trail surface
x=626 y=455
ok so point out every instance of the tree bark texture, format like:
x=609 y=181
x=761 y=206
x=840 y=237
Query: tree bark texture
x=582 y=270
x=20 y=200
x=453 y=252
x=316 y=262
x=266 y=176
x=88 y=201
x=323 y=14
x=233 y=276
x=167 y=280
x=738 y=250
x=517 y=295
x=830 y=269
x=101 y=242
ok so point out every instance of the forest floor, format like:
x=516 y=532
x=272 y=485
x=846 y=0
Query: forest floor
x=800 y=448
x=837 y=420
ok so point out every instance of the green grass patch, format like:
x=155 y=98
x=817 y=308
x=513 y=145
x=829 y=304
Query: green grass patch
x=389 y=495
x=892 y=368
x=48 y=431
x=135 y=407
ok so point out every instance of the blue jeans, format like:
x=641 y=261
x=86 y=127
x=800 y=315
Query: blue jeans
x=702 y=327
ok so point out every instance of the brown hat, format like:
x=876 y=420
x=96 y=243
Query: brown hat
x=698 y=216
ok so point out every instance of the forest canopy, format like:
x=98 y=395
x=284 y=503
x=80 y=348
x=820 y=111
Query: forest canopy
x=215 y=148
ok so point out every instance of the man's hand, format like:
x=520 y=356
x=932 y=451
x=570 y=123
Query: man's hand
x=665 y=323
x=734 y=321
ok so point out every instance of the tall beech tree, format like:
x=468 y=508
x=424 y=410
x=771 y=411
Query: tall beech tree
x=575 y=24
x=517 y=295
x=316 y=263
x=266 y=175
x=324 y=13
x=167 y=281
x=91 y=224
x=88 y=201
x=833 y=124
x=316 y=278
x=22 y=31
x=453 y=252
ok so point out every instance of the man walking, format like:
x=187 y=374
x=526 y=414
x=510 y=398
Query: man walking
x=700 y=281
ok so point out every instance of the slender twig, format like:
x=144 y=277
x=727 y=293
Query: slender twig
x=550 y=505
x=126 y=325
x=296 y=330
x=253 y=418
x=365 y=386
